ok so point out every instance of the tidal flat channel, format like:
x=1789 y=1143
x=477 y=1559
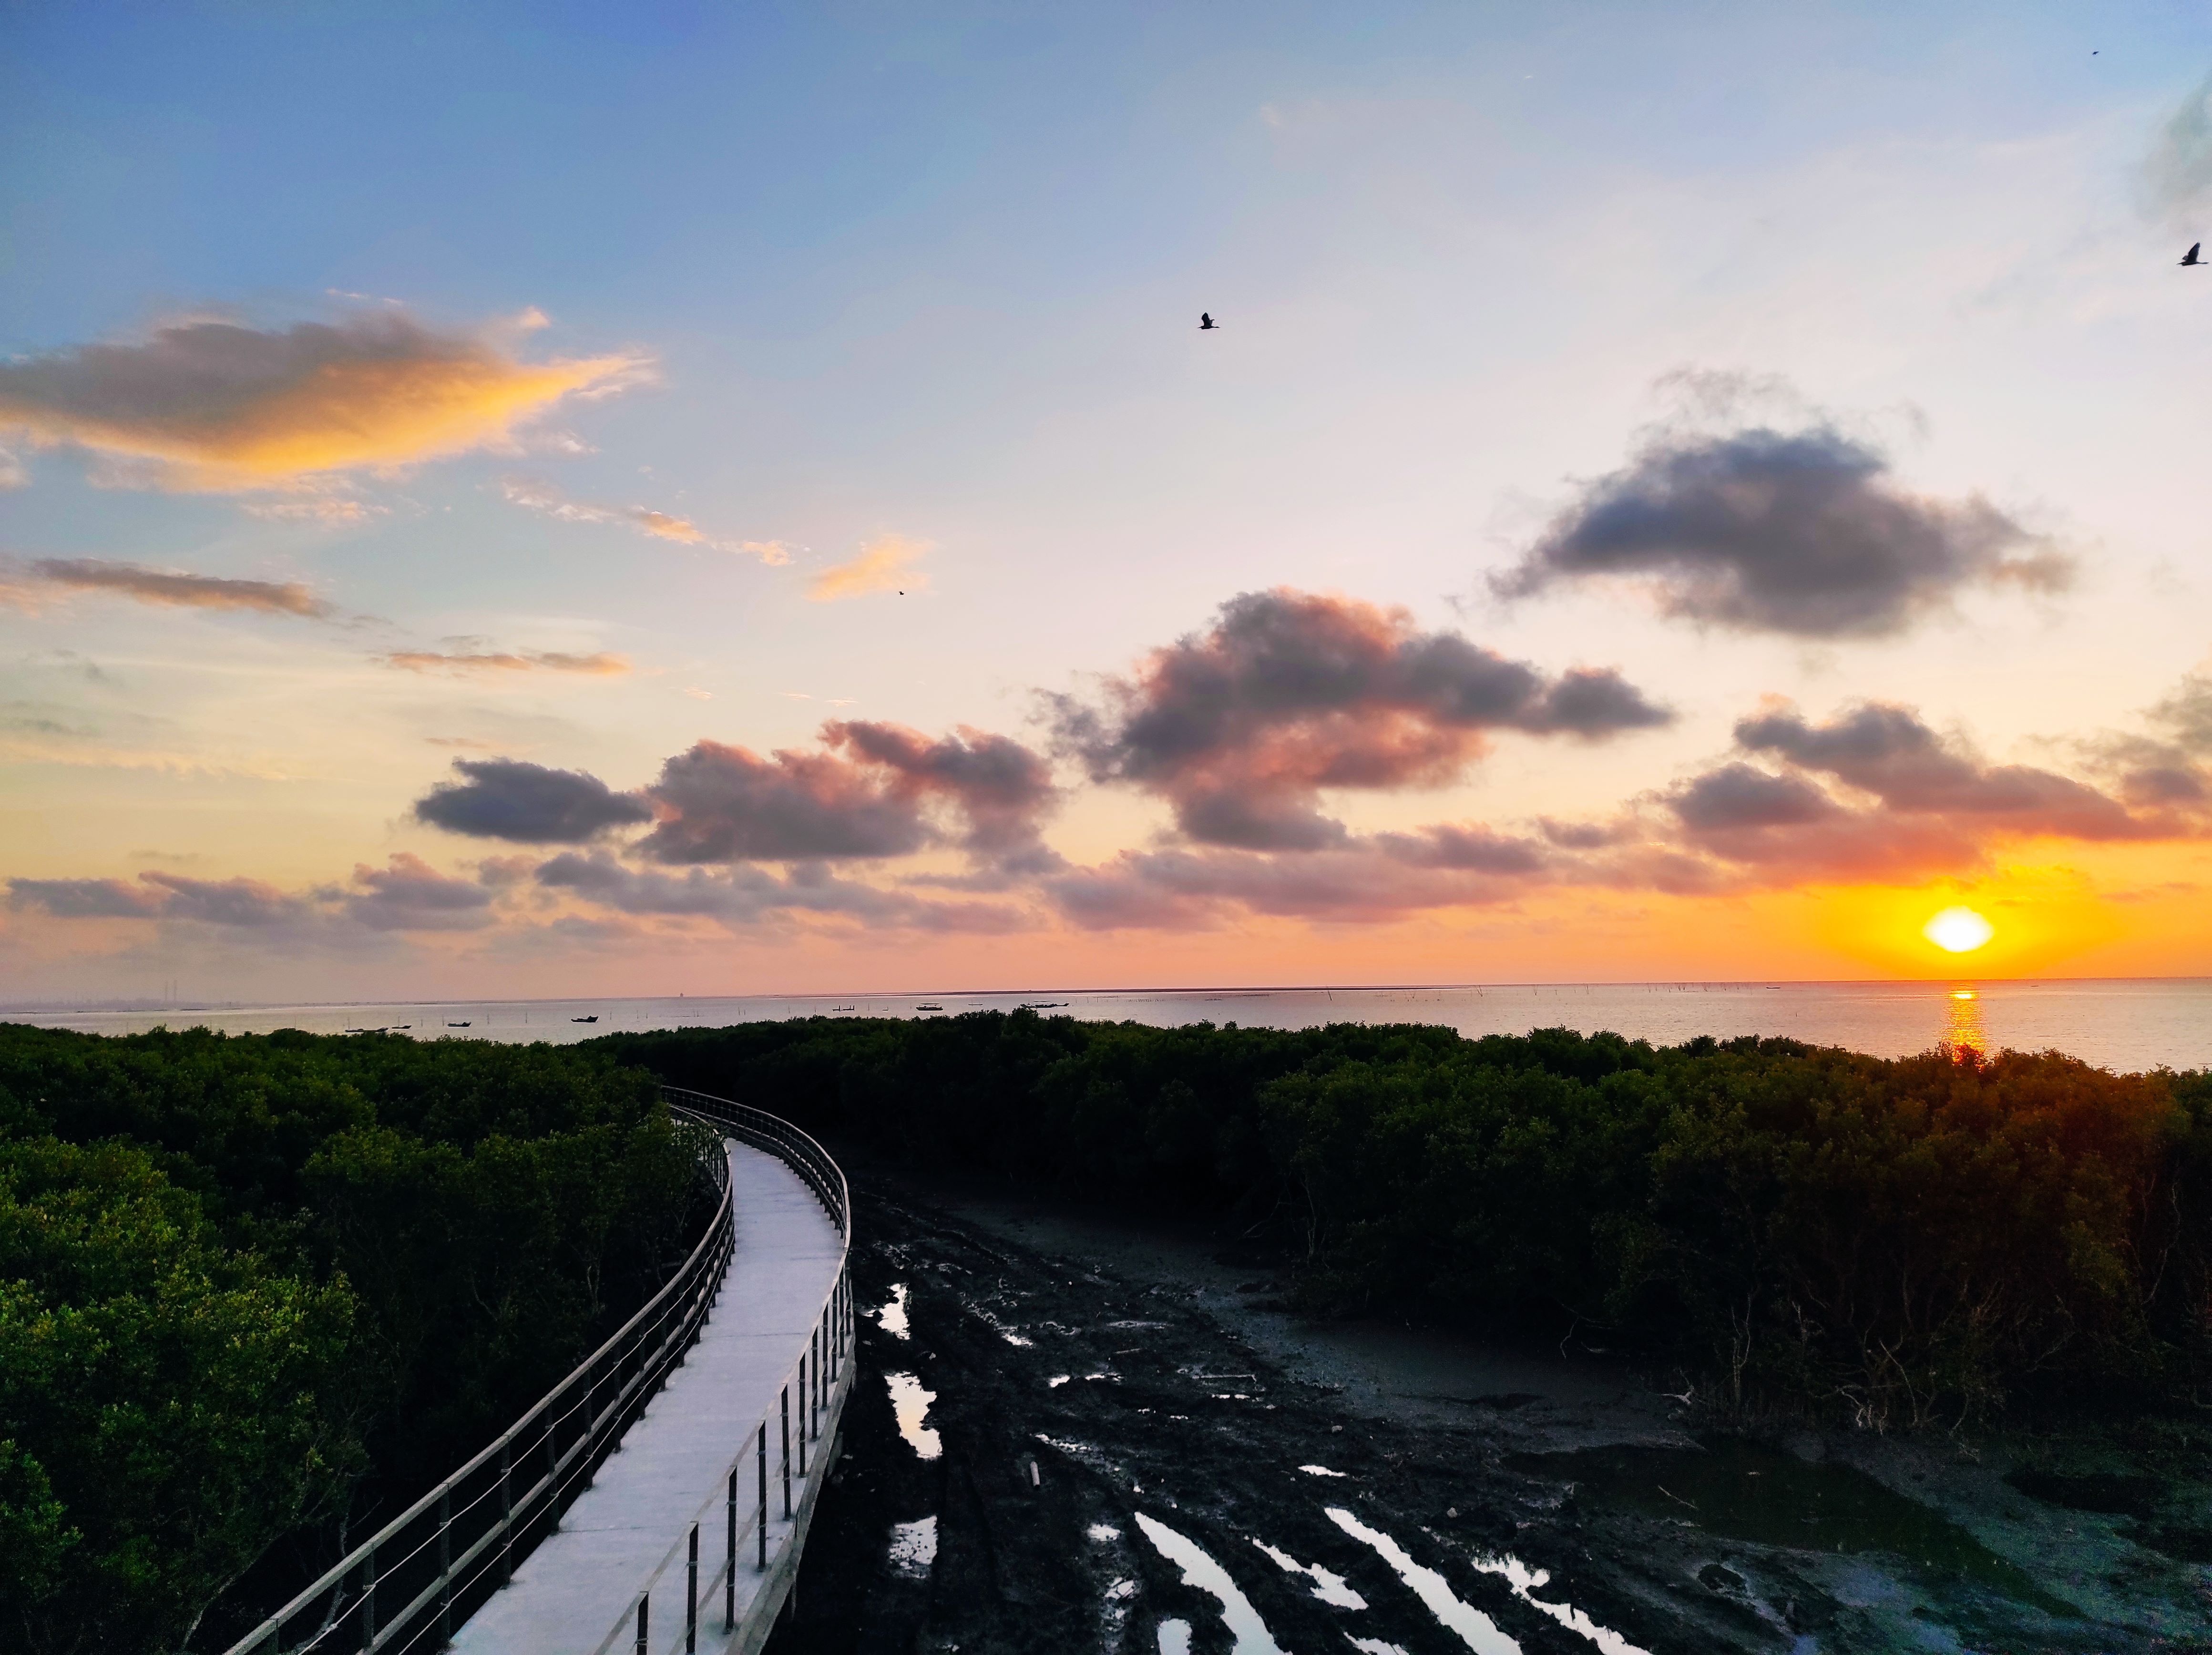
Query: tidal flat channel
x=1074 y=1432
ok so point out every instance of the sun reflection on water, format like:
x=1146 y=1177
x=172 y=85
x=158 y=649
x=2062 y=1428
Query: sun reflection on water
x=1965 y=1031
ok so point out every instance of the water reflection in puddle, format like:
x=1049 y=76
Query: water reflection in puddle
x=1524 y=1581
x=1329 y=1587
x=1375 y=1646
x=910 y=1402
x=913 y=1547
x=892 y=1317
x=1200 y=1570
x=1476 y=1629
x=1175 y=1637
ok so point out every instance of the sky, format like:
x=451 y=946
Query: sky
x=502 y=500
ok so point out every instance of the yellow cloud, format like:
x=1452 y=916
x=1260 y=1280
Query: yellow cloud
x=210 y=405
x=534 y=495
x=882 y=566
x=601 y=665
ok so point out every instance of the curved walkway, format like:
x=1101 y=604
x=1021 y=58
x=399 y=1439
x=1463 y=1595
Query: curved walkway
x=578 y=1591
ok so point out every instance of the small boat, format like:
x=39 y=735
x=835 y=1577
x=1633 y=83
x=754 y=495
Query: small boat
x=834 y=1010
x=593 y=1018
x=456 y=1025
x=1040 y=1005
x=929 y=1005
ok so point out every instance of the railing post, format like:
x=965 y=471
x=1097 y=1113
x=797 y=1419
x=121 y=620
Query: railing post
x=802 y=1418
x=691 y=1598
x=642 y=1604
x=368 y=1600
x=505 y=1512
x=730 y=1585
x=761 y=1528
x=784 y=1404
x=446 y=1564
x=814 y=1414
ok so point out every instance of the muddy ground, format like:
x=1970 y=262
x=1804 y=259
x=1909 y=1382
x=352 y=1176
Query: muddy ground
x=1116 y=1437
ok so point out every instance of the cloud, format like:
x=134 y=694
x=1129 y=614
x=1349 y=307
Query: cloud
x=2187 y=714
x=534 y=495
x=213 y=405
x=2177 y=173
x=528 y=803
x=870 y=795
x=1290 y=694
x=885 y=564
x=86 y=898
x=1802 y=532
x=599 y=665
x=14 y=474
x=409 y=894
x=1887 y=751
x=1001 y=788
x=177 y=589
x=239 y=903
x=743 y=896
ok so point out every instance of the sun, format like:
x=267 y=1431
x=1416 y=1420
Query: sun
x=1958 y=931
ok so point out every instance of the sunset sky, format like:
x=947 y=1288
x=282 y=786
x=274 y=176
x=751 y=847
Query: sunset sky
x=519 y=500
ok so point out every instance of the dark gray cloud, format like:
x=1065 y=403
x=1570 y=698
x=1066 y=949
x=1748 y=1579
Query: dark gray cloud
x=238 y=903
x=409 y=894
x=1289 y=694
x=876 y=792
x=1803 y=532
x=178 y=589
x=86 y=898
x=2187 y=715
x=528 y=803
x=743 y=896
x=1887 y=751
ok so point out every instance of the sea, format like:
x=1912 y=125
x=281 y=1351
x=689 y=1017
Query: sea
x=2122 y=1024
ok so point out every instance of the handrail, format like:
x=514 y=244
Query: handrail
x=410 y=1571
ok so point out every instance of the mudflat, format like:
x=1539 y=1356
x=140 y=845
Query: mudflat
x=1073 y=1430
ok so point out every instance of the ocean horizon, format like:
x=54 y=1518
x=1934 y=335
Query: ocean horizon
x=2119 y=1023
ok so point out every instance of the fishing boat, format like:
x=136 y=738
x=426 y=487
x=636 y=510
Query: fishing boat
x=593 y=1018
x=929 y=1005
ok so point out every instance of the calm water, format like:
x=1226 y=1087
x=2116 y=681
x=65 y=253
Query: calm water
x=2139 y=1024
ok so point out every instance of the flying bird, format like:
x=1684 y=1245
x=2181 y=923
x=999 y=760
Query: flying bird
x=2191 y=257
x=1206 y=323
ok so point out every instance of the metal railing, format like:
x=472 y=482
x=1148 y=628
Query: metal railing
x=425 y=1572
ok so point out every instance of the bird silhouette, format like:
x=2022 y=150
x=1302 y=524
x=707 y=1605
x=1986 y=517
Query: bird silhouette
x=1206 y=322
x=2191 y=257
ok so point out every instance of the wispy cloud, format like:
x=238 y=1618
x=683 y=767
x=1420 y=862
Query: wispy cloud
x=601 y=664
x=885 y=564
x=213 y=405
x=331 y=512
x=533 y=494
x=176 y=589
x=2177 y=173
x=14 y=474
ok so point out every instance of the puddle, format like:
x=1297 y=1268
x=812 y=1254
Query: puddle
x=1200 y=1570
x=1055 y=1382
x=1329 y=1587
x=1742 y=1491
x=1375 y=1646
x=1524 y=1581
x=913 y=1547
x=892 y=1317
x=1101 y=1533
x=910 y=1402
x=1175 y=1637
x=1319 y=1470
x=1476 y=1629
x=2099 y=1492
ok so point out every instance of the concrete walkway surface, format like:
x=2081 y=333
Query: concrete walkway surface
x=584 y=1578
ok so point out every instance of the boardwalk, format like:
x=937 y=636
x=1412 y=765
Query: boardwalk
x=584 y=1579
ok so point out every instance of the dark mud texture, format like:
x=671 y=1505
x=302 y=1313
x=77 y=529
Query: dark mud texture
x=1073 y=1390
